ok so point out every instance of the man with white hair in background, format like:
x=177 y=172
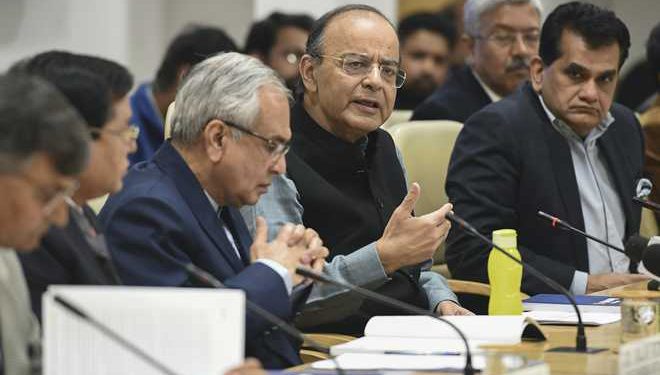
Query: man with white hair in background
x=502 y=35
x=229 y=135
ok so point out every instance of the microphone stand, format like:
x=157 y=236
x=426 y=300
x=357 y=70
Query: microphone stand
x=558 y=223
x=302 y=271
x=648 y=204
x=581 y=338
x=108 y=332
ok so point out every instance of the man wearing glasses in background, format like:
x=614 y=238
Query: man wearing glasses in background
x=345 y=180
x=279 y=42
x=98 y=89
x=502 y=35
x=43 y=147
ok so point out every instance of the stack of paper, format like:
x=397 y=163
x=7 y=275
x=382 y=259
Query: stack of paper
x=586 y=303
x=190 y=331
x=556 y=309
x=570 y=318
x=425 y=335
x=354 y=361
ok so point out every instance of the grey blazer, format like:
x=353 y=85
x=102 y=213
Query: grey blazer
x=19 y=329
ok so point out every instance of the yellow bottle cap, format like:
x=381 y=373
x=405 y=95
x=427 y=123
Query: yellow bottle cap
x=506 y=238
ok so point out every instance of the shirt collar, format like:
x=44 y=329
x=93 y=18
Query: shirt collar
x=214 y=204
x=569 y=133
x=491 y=94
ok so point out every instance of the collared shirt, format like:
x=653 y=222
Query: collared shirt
x=602 y=210
x=491 y=94
x=278 y=268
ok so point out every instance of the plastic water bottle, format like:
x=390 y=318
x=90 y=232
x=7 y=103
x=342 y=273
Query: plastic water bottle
x=505 y=275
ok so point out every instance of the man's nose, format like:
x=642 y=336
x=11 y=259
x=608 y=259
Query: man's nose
x=279 y=165
x=520 y=47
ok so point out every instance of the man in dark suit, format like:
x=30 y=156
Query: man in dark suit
x=77 y=253
x=502 y=37
x=229 y=135
x=558 y=145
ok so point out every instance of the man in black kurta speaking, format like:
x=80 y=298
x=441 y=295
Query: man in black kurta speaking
x=346 y=181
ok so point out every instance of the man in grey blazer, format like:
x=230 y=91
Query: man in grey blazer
x=43 y=146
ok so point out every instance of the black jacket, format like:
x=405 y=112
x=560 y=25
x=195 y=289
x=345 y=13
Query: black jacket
x=509 y=162
x=456 y=100
x=66 y=257
x=349 y=191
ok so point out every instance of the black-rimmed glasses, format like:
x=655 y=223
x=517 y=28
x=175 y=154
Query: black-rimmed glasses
x=360 y=65
x=275 y=148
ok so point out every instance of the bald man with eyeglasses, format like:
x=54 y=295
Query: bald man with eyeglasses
x=345 y=179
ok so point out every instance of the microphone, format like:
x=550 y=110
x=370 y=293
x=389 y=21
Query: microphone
x=635 y=247
x=581 y=338
x=642 y=192
x=648 y=253
x=108 y=332
x=211 y=281
x=650 y=264
x=366 y=293
x=655 y=207
x=558 y=223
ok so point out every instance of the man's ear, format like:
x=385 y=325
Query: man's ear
x=307 y=73
x=536 y=73
x=215 y=140
x=469 y=42
x=258 y=55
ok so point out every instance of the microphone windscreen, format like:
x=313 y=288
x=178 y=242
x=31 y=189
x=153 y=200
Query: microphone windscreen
x=652 y=259
x=635 y=247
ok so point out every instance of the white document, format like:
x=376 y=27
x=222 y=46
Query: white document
x=191 y=331
x=570 y=318
x=425 y=335
x=405 y=345
x=497 y=329
x=356 y=361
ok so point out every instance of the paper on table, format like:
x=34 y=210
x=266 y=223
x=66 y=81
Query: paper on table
x=357 y=361
x=192 y=331
x=570 y=318
x=499 y=329
x=404 y=345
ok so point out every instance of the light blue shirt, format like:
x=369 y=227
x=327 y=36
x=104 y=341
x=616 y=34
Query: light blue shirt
x=602 y=209
x=326 y=303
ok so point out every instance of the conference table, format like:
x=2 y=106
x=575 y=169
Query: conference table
x=606 y=337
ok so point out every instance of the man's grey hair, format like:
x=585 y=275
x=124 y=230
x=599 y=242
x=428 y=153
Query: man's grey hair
x=475 y=9
x=225 y=87
x=35 y=117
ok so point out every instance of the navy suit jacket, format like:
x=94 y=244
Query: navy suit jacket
x=66 y=257
x=162 y=218
x=508 y=163
x=456 y=100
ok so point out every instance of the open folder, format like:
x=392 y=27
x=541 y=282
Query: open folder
x=425 y=335
x=190 y=331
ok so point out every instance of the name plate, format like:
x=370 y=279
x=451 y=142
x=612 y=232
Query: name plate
x=640 y=357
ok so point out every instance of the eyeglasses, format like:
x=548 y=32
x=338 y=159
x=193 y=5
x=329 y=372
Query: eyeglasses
x=128 y=134
x=292 y=56
x=275 y=148
x=360 y=65
x=506 y=39
x=50 y=199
